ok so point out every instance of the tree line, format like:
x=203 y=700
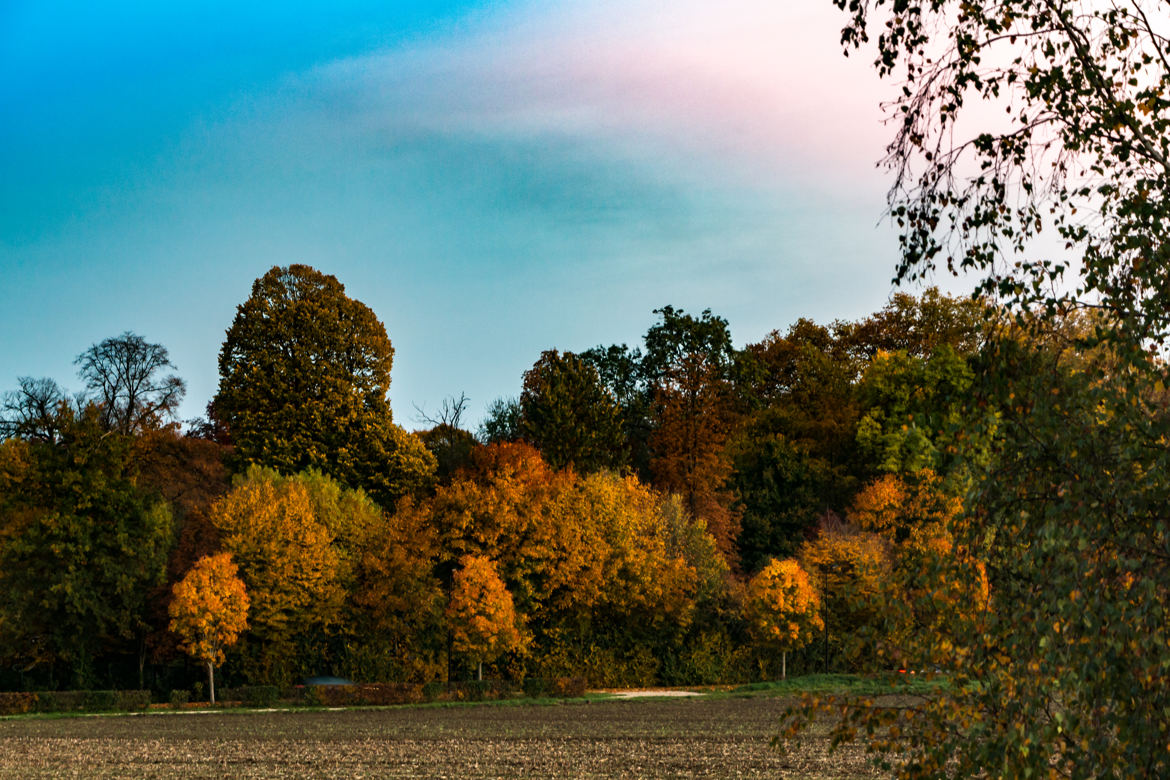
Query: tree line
x=619 y=519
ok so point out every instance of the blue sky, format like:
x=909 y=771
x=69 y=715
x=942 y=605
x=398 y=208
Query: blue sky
x=492 y=179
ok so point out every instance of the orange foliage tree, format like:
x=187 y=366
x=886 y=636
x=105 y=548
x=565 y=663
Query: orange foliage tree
x=850 y=568
x=399 y=601
x=483 y=619
x=783 y=608
x=209 y=611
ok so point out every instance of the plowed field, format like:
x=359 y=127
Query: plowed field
x=692 y=738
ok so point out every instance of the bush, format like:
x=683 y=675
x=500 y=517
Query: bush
x=568 y=687
x=17 y=702
x=180 y=698
x=131 y=701
x=535 y=687
x=91 y=701
x=433 y=690
x=251 y=695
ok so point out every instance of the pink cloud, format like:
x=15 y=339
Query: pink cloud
x=758 y=88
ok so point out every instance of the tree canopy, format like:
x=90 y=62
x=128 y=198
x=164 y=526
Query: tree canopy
x=304 y=376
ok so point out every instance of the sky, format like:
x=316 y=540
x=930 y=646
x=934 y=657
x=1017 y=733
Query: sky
x=493 y=179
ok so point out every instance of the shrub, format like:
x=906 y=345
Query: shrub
x=568 y=687
x=90 y=701
x=17 y=702
x=179 y=698
x=131 y=701
x=251 y=695
x=535 y=687
x=433 y=690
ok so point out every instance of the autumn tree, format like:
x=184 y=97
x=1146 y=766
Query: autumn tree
x=124 y=378
x=484 y=623
x=920 y=325
x=400 y=633
x=849 y=569
x=288 y=560
x=566 y=413
x=1015 y=118
x=689 y=363
x=304 y=376
x=783 y=608
x=209 y=611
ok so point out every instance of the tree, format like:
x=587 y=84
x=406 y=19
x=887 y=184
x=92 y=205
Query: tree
x=33 y=411
x=502 y=422
x=567 y=414
x=918 y=413
x=484 y=623
x=273 y=528
x=849 y=568
x=781 y=489
x=1063 y=674
x=122 y=376
x=1079 y=147
x=81 y=548
x=622 y=374
x=783 y=608
x=209 y=611
x=399 y=620
x=446 y=440
x=304 y=376
x=690 y=363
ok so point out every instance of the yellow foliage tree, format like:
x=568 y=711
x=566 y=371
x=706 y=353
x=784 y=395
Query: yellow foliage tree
x=287 y=559
x=483 y=620
x=783 y=608
x=933 y=581
x=209 y=611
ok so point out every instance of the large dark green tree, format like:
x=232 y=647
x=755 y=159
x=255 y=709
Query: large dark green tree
x=304 y=376
x=568 y=415
x=81 y=547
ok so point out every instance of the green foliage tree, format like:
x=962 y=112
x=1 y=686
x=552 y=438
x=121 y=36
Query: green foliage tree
x=81 y=547
x=1064 y=673
x=304 y=376
x=566 y=413
x=920 y=413
x=502 y=422
x=622 y=374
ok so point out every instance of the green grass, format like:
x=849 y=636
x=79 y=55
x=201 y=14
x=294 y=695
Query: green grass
x=860 y=685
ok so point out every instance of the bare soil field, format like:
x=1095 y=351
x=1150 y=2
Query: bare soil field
x=693 y=737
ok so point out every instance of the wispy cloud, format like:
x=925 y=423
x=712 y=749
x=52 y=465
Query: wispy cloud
x=755 y=88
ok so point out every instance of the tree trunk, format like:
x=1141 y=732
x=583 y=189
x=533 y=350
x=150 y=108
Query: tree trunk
x=211 y=680
x=783 y=664
x=479 y=672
